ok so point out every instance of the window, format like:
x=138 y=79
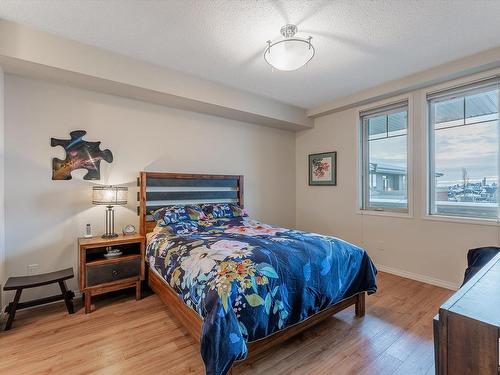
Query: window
x=384 y=139
x=464 y=151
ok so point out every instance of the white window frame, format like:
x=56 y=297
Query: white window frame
x=426 y=161
x=361 y=209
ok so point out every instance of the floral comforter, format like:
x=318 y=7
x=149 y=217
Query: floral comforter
x=248 y=280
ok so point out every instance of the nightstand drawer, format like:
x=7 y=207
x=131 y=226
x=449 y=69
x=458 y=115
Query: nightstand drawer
x=105 y=273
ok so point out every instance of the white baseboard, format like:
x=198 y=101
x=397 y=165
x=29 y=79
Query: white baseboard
x=418 y=277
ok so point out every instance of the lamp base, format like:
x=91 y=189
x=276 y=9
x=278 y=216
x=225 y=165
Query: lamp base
x=110 y=223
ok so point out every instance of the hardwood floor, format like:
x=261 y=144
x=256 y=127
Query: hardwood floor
x=124 y=336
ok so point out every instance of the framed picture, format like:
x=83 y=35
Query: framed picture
x=323 y=169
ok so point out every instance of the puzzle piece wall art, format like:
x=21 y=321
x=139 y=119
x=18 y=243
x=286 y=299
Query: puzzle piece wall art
x=80 y=154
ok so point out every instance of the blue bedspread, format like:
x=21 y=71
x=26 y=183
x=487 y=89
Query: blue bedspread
x=248 y=280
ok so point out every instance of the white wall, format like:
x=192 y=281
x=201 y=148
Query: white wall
x=45 y=217
x=2 y=213
x=416 y=247
x=29 y=52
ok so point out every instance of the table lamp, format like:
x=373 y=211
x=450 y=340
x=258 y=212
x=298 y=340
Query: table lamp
x=109 y=196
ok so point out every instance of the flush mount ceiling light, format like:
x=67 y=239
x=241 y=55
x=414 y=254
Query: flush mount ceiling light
x=291 y=53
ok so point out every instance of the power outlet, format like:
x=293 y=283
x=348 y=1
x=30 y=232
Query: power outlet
x=33 y=269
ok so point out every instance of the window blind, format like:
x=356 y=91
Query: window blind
x=393 y=107
x=386 y=120
x=480 y=86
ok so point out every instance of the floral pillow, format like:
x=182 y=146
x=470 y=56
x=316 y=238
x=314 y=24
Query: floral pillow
x=179 y=228
x=175 y=214
x=221 y=210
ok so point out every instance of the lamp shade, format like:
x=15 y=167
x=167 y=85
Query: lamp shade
x=109 y=195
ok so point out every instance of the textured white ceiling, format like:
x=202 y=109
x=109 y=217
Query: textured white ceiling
x=359 y=44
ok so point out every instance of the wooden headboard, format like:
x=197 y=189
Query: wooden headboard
x=157 y=189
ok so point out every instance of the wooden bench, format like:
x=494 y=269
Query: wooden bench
x=25 y=282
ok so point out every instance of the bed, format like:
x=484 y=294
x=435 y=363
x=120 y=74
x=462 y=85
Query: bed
x=239 y=286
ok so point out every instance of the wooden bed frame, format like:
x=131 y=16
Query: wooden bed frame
x=150 y=196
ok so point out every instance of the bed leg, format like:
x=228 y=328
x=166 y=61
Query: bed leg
x=360 y=305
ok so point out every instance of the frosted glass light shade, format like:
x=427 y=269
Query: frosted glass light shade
x=289 y=54
x=109 y=195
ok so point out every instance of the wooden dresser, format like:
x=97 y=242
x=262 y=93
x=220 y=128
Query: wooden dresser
x=467 y=329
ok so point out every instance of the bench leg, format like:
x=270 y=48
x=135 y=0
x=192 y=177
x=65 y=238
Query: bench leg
x=67 y=298
x=12 y=309
x=360 y=305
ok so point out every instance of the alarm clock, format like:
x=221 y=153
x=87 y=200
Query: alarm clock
x=128 y=229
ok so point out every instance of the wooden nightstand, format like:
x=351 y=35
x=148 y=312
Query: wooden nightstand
x=99 y=274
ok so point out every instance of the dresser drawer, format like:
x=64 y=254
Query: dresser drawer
x=106 y=273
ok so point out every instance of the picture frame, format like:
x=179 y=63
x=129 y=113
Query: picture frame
x=323 y=169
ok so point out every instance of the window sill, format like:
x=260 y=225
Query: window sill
x=399 y=215
x=462 y=220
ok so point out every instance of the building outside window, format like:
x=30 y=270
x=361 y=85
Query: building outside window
x=464 y=151
x=384 y=139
